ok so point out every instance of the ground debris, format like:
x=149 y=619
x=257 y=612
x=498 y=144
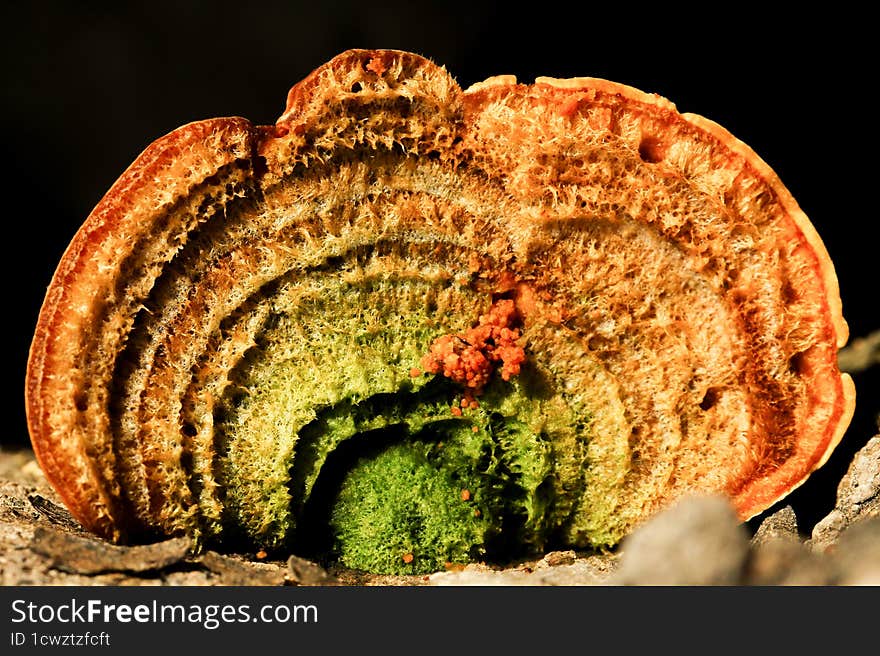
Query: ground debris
x=696 y=543
x=84 y=555
x=233 y=571
x=56 y=514
x=305 y=572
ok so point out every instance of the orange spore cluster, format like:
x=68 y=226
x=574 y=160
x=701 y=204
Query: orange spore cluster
x=470 y=358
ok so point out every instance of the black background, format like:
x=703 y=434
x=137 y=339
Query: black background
x=88 y=85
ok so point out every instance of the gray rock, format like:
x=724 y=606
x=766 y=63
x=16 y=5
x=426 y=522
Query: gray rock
x=858 y=497
x=781 y=525
x=786 y=560
x=306 y=572
x=697 y=541
x=856 y=556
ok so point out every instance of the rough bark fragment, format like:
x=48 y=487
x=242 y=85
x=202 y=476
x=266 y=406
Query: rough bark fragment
x=80 y=555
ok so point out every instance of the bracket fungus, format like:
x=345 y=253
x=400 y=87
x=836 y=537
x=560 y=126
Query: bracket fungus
x=272 y=335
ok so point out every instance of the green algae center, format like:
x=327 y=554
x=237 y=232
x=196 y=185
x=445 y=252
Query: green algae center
x=337 y=451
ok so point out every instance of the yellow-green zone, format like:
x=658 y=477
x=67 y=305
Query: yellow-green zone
x=327 y=430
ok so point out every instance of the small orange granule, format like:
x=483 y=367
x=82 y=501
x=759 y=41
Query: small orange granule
x=454 y=567
x=465 y=494
x=468 y=400
x=408 y=558
x=470 y=358
x=456 y=411
x=261 y=554
x=415 y=372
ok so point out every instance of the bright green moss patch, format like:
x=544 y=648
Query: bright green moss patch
x=418 y=468
x=397 y=513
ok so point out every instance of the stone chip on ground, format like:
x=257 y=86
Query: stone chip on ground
x=233 y=571
x=305 y=572
x=781 y=525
